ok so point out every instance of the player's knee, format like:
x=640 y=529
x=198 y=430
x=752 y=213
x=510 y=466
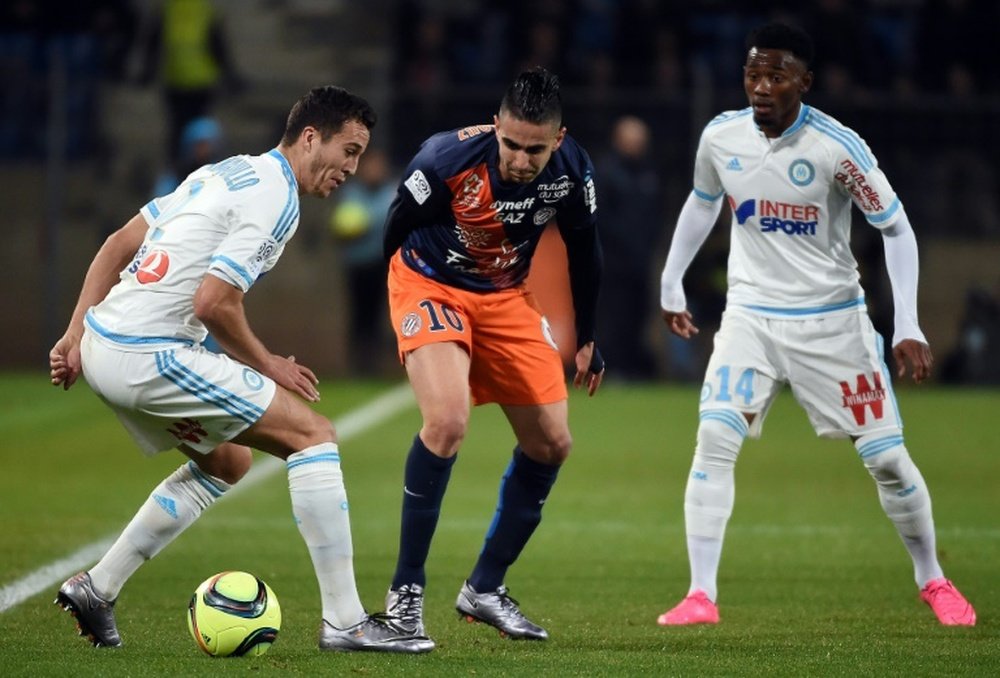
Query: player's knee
x=885 y=456
x=228 y=462
x=444 y=432
x=720 y=437
x=552 y=450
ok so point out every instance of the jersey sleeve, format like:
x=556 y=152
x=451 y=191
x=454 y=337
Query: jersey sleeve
x=422 y=197
x=707 y=184
x=577 y=220
x=259 y=227
x=858 y=173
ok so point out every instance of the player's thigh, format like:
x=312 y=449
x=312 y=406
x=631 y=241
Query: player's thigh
x=515 y=360
x=743 y=374
x=840 y=377
x=287 y=426
x=439 y=375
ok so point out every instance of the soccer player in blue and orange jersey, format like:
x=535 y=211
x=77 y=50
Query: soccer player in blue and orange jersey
x=460 y=237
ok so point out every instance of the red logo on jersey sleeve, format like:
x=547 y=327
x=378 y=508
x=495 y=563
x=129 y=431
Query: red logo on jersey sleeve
x=153 y=267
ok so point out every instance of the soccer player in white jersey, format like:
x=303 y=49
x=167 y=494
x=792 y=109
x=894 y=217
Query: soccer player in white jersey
x=176 y=271
x=795 y=310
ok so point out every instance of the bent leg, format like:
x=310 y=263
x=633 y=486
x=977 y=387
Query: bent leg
x=543 y=445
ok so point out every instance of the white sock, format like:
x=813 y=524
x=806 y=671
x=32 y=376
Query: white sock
x=710 y=493
x=905 y=498
x=704 y=554
x=171 y=507
x=319 y=503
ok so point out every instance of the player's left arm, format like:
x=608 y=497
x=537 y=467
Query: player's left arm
x=909 y=346
x=858 y=174
x=102 y=275
x=578 y=228
x=219 y=305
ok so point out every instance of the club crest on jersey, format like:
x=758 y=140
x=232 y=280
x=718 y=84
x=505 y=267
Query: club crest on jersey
x=544 y=215
x=153 y=267
x=801 y=172
x=867 y=395
x=411 y=324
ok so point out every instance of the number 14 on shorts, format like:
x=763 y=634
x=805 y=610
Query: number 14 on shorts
x=725 y=388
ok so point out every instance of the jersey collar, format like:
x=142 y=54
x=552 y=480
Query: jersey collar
x=800 y=121
x=286 y=169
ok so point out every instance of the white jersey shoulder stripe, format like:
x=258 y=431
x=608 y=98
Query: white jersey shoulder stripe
x=729 y=116
x=845 y=136
x=291 y=211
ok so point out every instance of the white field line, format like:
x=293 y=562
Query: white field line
x=351 y=424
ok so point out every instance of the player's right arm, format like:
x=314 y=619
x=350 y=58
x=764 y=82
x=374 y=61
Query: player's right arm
x=102 y=275
x=694 y=223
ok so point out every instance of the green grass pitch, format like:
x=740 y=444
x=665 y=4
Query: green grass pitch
x=814 y=580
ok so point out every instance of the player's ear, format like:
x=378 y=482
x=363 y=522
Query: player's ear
x=806 y=82
x=560 y=135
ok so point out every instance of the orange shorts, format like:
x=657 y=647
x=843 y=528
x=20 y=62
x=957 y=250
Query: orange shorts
x=515 y=361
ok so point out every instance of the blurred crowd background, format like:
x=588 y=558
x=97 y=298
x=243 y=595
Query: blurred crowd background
x=107 y=103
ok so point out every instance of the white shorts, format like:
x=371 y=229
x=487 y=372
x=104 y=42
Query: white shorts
x=180 y=395
x=834 y=365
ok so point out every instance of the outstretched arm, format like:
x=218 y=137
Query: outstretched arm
x=909 y=347
x=102 y=275
x=694 y=223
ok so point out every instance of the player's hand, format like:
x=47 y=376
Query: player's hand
x=915 y=356
x=296 y=378
x=64 y=361
x=680 y=323
x=589 y=368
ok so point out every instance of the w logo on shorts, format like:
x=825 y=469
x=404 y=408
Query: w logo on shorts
x=864 y=396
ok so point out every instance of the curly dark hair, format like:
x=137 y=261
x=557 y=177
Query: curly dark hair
x=782 y=36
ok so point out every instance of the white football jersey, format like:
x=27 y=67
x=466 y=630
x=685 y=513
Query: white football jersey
x=230 y=219
x=791 y=200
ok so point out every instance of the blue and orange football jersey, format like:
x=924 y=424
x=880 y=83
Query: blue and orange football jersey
x=457 y=222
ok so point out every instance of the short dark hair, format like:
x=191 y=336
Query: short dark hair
x=782 y=36
x=327 y=109
x=534 y=97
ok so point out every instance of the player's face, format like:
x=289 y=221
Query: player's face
x=328 y=163
x=525 y=147
x=775 y=80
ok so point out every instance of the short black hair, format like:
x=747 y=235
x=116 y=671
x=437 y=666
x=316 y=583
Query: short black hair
x=534 y=97
x=785 y=37
x=327 y=109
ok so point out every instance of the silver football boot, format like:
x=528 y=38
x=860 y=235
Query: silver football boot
x=406 y=606
x=500 y=611
x=95 y=617
x=374 y=633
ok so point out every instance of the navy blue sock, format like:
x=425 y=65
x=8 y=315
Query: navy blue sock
x=523 y=491
x=424 y=482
